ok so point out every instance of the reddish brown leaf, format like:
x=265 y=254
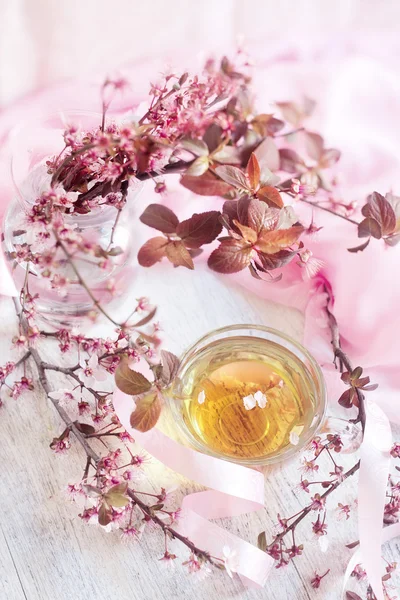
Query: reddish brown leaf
x=231 y=256
x=314 y=145
x=206 y=185
x=170 y=365
x=213 y=136
x=369 y=227
x=346 y=399
x=85 y=428
x=271 y=196
x=271 y=242
x=146 y=319
x=248 y=234
x=253 y=171
x=274 y=126
x=130 y=382
x=359 y=248
x=179 y=255
x=330 y=157
x=290 y=161
x=261 y=216
x=147 y=412
x=152 y=251
x=234 y=176
x=278 y=260
x=200 y=229
x=352 y=596
x=160 y=217
x=291 y=112
x=381 y=210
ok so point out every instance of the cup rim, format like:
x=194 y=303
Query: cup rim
x=287 y=452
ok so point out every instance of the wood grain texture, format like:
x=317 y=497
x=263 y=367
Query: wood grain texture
x=48 y=553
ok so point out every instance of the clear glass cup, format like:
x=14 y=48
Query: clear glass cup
x=31 y=145
x=239 y=346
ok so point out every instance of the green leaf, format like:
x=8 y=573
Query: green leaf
x=198 y=166
x=262 y=541
x=196 y=147
x=116 y=496
x=105 y=514
x=131 y=382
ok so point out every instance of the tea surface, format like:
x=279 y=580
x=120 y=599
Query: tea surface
x=230 y=370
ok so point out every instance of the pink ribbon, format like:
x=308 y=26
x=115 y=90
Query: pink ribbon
x=234 y=490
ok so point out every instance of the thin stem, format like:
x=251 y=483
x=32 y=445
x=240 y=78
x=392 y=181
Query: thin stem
x=308 y=509
x=329 y=210
x=83 y=283
x=290 y=132
x=344 y=361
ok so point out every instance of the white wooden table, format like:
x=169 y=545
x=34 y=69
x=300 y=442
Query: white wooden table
x=48 y=553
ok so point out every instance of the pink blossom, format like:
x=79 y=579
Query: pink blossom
x=359 y=573
x=320 y=527
x=91 y=371
x=130 y=532
x=316 y=581
x=64 y=396
x=61 y=446
x=395 y=451
x=196 y=568
x=168 y=559
x=309 y=466
x=20 y=341
x=317 y=503
x=343 y=511
x=25 y=384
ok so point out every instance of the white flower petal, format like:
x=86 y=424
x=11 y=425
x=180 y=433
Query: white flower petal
x=93 y=362
x=249 y=402
x=261 y=399
x=294 y=438
x=201 y=397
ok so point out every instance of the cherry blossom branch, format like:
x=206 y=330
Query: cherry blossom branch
x=92 y=456
x=309 y=508
x=344 y=361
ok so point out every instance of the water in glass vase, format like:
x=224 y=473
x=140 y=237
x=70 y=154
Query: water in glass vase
x=245 y=398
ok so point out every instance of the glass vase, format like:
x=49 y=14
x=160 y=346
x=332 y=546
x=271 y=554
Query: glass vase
x=70 y=290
